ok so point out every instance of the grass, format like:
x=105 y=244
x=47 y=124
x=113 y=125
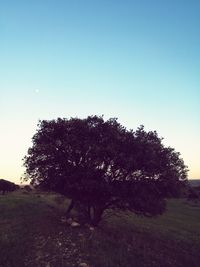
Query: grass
x=32 y=234
x=169 y=240
x=15 y=235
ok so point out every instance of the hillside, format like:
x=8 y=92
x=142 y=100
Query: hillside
x=32 y=234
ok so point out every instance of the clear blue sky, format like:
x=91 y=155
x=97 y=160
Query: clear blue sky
x=135 y=60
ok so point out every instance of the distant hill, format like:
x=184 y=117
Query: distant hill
x=195 y=182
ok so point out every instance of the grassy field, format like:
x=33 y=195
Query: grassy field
x=32 y=234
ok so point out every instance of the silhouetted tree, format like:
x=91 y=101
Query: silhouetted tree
x=100 y=164
x=7 y=186
x=193 y=193
x=27 y=188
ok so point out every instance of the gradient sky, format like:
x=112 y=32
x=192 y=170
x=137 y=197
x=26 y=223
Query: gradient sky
x=138 y=60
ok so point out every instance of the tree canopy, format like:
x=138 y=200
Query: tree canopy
x=100 y=164
x=7 y=186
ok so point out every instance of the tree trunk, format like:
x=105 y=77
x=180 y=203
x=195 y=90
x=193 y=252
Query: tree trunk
x=71 y=205
x=89 y=213
x=96 y=216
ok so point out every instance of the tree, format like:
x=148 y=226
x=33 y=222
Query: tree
x=100 y=164
x=193 y=193
x=27 y=188
x=7 y=186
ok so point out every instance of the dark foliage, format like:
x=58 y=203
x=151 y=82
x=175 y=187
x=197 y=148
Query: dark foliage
x=193 y=193
x=7 y=186
x=27 y=188
x=102 y=165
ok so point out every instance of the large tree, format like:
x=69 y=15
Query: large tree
x=100 y=164
x=7 y=186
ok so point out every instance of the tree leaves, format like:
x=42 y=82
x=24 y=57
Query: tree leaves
x=102 y=164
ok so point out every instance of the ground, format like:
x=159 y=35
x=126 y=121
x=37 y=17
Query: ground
x=33 y=234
